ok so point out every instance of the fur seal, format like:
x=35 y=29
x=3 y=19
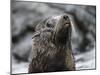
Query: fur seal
x=52 y=46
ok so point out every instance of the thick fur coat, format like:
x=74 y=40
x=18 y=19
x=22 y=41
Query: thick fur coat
x=52 y=46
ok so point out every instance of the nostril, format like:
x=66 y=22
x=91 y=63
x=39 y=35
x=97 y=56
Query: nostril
x=65 y=17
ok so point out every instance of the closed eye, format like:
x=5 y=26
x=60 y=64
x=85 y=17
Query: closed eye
x=49 y=25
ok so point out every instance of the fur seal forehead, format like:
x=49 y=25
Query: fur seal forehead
x=56 y=17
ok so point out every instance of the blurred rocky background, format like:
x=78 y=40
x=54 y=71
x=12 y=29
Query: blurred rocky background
x=26 y=15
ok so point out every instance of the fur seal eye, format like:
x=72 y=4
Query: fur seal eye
x=49 y=25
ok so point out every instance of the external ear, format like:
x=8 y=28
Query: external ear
x=41 y=24
x=35 y=34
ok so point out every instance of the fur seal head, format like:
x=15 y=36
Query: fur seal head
x=59 y=28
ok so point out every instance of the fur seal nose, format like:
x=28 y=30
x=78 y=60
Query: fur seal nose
x=65 y=17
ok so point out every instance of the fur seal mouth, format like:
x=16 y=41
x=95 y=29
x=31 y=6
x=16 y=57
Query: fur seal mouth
x=67 y=24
